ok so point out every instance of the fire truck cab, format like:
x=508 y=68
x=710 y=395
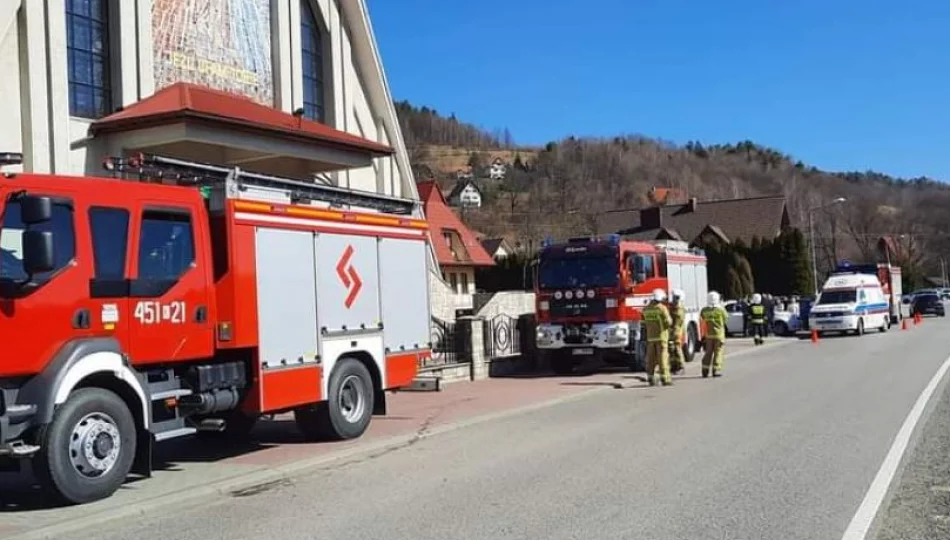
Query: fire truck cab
x=192 y=298
x=590 y=293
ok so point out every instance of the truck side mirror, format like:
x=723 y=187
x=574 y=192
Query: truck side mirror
x=35 y=209
x=37 y=252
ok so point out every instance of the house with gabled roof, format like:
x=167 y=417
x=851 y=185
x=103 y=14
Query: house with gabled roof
x=457 y=249
x=465 y=194
x=498 y=169
x=498 y=248
x=727 y=220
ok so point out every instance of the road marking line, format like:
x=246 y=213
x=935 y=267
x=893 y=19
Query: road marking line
x=861 y=522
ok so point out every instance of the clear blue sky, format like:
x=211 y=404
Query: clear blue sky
x=839 y=84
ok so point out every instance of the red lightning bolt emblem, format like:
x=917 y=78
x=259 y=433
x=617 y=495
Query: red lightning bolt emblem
x=349 y=277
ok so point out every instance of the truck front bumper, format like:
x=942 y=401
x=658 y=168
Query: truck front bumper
x=608 y=335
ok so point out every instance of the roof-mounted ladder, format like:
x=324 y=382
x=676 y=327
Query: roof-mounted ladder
x=234 y=181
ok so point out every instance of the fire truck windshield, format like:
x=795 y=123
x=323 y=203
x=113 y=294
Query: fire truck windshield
x=565 y=273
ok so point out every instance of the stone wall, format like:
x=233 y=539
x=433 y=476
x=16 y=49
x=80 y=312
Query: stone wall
x=443 y=302
x=482 y=367
x=511 y=303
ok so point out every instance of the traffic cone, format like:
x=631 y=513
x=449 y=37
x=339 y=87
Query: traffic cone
x=917 y=318
x=814 y=336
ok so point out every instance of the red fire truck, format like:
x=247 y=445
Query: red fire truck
x=190 y=298
x=590 y=294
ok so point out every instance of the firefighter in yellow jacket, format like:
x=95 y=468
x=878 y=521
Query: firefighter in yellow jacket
x=714 y=318
x=678 y=315
x=657 y=320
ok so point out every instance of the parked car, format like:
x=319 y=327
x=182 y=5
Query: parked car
x=735 y=326
x=786 y=323
x=928 y=304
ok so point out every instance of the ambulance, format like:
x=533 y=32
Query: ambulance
x=851 y=303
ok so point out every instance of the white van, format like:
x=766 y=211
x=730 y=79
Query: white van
x=850 y=303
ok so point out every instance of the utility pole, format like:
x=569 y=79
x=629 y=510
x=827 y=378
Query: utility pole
x=814 y=258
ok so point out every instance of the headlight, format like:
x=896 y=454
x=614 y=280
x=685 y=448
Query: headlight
x=616 y=334
x=590 y=293
x=569 y=295
x=558 y=295
x=579 y=294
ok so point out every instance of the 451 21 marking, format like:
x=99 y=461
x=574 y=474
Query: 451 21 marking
x=155 y=312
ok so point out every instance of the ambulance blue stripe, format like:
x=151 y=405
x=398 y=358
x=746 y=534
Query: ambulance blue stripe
x=873 y=308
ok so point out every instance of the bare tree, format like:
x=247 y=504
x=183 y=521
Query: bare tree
x=865 y=223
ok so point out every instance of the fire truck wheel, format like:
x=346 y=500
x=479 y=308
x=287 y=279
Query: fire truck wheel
x=692 y=343
x=88 y=449
x=347 y=412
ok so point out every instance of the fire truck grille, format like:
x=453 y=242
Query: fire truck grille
x=578 y=308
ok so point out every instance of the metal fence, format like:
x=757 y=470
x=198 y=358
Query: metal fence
x=502 y=336
x=451 y=343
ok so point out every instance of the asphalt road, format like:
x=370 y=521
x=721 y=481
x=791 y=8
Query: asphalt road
x=919 y=508
x=784 y=446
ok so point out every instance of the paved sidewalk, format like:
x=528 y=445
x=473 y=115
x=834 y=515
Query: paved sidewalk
x=189 y=471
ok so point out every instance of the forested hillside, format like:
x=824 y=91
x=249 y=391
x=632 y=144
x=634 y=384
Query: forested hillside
x=566 y=186
x=425 y=126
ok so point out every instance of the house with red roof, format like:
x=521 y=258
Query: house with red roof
x=457 y=249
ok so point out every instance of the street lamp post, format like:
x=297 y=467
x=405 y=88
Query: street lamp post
x=811 y=234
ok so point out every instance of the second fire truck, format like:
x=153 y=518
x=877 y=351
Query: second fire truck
x=590 y=294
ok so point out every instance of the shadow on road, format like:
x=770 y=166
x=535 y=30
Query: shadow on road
x=592 y=371
x=20 y=491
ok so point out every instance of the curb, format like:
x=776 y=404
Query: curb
x=284 y=474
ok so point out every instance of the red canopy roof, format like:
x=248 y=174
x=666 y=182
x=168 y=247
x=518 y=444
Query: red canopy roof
x=185 y=101
x=442 y=220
